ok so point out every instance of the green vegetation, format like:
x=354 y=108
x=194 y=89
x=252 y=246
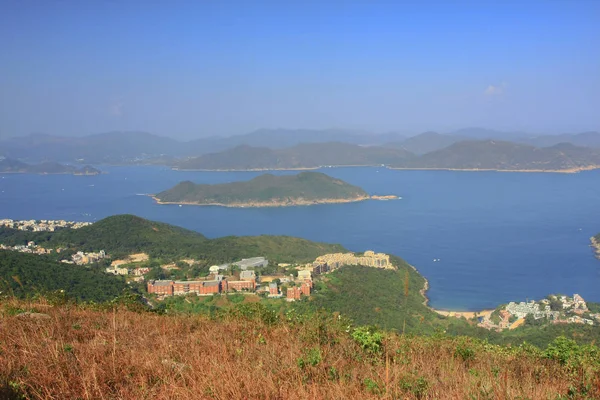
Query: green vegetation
x=26 y=275
x=267 y=189
x=14 y=166
x=265 y=352
x=500 y=155
x=371 y=296
x=307 y=155
x=121 y=235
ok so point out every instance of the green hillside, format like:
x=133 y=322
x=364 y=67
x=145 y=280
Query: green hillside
x=25 y=275
x=308 y=155
x=499 y=155
x=265 y=189
x=126 y=234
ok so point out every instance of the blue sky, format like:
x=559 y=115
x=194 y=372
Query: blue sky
x=198 y=68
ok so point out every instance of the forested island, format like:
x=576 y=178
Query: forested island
x=305 y=188
x=11 y=166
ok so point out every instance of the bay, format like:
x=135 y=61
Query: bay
x=499 y=236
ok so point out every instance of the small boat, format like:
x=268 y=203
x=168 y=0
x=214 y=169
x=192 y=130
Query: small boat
x=180 y=205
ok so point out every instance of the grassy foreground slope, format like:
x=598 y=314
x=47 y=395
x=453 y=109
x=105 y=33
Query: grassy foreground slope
x=251 y=353
x=266 y=189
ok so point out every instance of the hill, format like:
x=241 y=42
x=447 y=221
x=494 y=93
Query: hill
x=8 y=165
x=26 y=275
x=266 y=190
x=121 y=235
x=302 y=156
x=427 y=142
x=131 y=146
x=251 y=352
x=506 y=156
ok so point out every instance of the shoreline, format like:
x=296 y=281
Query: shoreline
x=277 y=169
x=270 y=204
x=447 y=313
x=596 y=245
x=548 y=171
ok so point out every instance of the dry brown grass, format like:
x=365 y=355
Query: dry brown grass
x=80 y=353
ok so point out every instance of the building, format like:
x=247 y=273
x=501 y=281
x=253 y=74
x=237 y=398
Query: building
x=293 y=293
x=247 y=275
x=320 y=268
x=141 y=271
x=306 y=288
x=170 y=288
x=368 y=259
x=254 y=262
x=117 y=271
x=214 y=269
x=274 y=290
x=304 y=275
x=201 y=288
x=161 y=288
x=238 y=286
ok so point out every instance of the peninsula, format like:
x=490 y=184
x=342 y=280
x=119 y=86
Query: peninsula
x=11 y=166
x=305 y=188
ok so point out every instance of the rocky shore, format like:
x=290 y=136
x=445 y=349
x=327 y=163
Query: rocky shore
x=596 y=245
x=279 y=202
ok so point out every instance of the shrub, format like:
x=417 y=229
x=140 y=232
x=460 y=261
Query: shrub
x=368 y=338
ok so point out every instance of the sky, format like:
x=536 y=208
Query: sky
x=189 y=69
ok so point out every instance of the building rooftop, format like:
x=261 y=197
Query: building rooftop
x=161 y=283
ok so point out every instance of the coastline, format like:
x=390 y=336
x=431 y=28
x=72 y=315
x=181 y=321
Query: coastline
x=549 y=171
x=596 y=245
x=278 y=204
x=276 y=169
x=448 y=313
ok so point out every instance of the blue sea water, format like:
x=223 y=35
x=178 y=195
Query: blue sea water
x=498 y=236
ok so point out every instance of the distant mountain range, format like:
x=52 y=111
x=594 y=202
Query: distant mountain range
x=17 y=167
x=302 y=156
x=127 y=147
x=141 y=147
x=463 y=155
x=506 y=156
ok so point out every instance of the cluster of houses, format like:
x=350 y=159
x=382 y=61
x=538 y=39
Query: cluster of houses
x=41 y=225
x=570 y=310
x=30 y=248
x=82 y=258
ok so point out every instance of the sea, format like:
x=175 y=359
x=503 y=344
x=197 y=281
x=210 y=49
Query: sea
x=480 y=238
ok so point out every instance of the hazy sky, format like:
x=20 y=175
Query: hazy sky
x=197 y=68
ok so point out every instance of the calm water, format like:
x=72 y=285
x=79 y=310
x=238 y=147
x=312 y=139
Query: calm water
x=499 y=236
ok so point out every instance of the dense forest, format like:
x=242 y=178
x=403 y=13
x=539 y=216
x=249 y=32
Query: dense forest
x=122 y=235
x=25 y=275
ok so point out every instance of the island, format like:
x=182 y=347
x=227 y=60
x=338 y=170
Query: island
x=11 y=166
x=305 y=188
